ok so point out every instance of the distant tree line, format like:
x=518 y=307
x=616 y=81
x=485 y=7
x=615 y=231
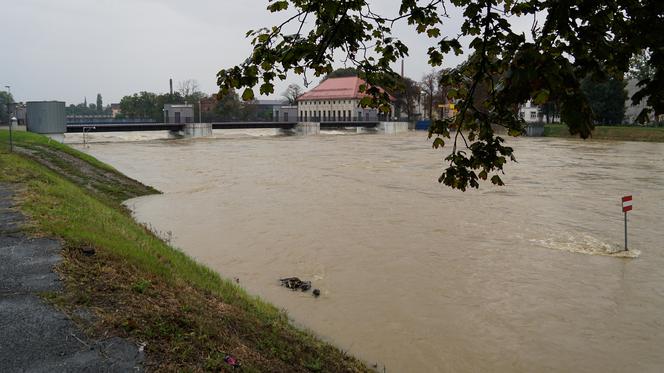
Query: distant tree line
x=148 y=105
x=5 y=100
x=232 y=108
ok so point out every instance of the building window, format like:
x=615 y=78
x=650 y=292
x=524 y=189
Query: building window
x=533 y=115
x=522 y=114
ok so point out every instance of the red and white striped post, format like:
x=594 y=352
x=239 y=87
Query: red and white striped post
x=626 y=206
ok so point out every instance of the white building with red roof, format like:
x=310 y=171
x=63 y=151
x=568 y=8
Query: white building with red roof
x=336 y=100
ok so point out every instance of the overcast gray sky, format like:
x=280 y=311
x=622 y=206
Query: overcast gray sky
x=71 y=49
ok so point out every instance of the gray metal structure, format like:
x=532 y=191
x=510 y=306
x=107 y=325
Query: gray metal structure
x=178 y=113
x=46 y=117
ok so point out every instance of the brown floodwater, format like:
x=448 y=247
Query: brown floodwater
x=417 y=277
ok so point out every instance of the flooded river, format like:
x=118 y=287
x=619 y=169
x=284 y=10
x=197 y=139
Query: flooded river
x=417 y=277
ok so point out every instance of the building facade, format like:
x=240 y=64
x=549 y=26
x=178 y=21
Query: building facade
x=285 y=113
x=336 y=100
x=178 y=113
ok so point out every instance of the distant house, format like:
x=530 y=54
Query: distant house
x=178 y=113
x=115 y=110
x=209 y=104
x=20 y=112
x=530 y=112
x=336 y=100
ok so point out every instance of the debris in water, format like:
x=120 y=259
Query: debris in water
x=316 y=293
x=295 y=283
x=237 y=280
x=232 y=361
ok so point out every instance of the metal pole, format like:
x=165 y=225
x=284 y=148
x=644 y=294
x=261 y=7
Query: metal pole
x=625 y=231
x=11 y=140
x=199 y=112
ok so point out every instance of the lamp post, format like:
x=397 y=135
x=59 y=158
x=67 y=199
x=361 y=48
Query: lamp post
x=12 y=123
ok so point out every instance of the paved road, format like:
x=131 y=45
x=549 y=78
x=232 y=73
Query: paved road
x=34 y=336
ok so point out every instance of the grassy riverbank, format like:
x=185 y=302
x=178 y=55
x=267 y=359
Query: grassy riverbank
x=654 y=134
x=137 y=286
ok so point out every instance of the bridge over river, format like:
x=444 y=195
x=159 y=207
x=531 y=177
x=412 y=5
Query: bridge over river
x=205 y=129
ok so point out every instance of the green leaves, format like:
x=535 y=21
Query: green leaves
x=248 y=94
x=278 y=6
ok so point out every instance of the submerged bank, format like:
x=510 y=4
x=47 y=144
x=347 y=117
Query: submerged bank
x=618 y=133
x=137 y=286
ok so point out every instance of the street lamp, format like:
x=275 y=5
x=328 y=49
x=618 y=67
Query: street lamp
x=13 y=122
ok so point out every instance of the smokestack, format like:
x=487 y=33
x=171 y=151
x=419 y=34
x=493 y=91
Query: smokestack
x=402 y=75
x=170 y=82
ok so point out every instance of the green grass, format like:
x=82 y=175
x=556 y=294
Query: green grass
x=31 y=140
x=144 y=289
x=626 y=133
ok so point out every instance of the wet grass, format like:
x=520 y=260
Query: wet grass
x=626 y=133
x=139 y=287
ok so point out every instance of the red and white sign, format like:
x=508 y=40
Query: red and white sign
x=627 y=203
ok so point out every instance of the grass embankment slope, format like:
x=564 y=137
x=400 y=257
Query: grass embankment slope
x=653 y=134
x=136 y=285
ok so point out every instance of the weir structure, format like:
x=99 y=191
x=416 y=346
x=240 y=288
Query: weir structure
x=195 y=130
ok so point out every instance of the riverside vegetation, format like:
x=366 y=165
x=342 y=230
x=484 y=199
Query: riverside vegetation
x=618 y=133
x=135 y=285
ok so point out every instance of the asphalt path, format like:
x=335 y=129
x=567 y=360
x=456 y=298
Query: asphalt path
x=35 y=336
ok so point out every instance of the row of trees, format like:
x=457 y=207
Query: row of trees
x=85 y=109
x=232 y=108
x=150 y=106
x=5 y=99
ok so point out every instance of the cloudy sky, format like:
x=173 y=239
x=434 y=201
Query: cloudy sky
x=71 y=49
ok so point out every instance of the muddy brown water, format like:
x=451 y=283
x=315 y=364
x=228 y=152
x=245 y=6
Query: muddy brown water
x=414 y=276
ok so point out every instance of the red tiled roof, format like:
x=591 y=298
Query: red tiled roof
x=336 y=88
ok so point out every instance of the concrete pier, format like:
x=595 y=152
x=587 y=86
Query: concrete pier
x=307 y=129
x=392 y=128
x=535 y=129
x=193 y=130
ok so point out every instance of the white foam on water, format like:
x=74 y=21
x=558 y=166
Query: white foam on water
x=586 y=244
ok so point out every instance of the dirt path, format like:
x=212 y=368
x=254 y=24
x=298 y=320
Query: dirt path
x=34 y=336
